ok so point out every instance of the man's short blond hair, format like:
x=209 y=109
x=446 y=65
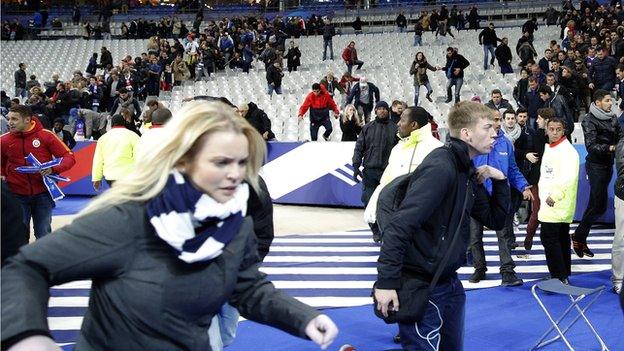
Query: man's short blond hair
x=466 y=114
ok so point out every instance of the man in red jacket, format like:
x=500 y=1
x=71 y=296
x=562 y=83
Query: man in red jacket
x=26 y=135
x=319 y=102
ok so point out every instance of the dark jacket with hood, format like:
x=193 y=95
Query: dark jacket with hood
x=259 y=120
x=601 y=130
x=422 y=229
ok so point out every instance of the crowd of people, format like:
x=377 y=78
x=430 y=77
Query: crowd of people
x=199 y=173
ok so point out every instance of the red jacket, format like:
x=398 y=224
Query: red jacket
x=44 y=145
x=324 y=100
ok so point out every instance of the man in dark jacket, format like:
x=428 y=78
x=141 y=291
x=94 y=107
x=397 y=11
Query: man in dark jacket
x=488 y=39
x=497 y=102
x=63 y=134
x=319 y=102
x=106 y=58
x=544 y=62
x=602 y=71
x=20 y=81
x=401 y=22
x=441 y=190
x=454 y=70
x=274 y=77
x=602 y=134
x=364 y=96
x=328 y=34
x=504 y=57
x=372 y=149
x=562 y=110
x=258 y=119
x=531 y=100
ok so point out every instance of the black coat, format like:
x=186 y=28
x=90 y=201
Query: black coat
x=293 y=57
x=527 y=143
x=20 y=79
x=420 y=231
x=375 y=143
x=106 y=59
x=260 y=208
x=503 y=54
x=143 y=296
x=619 y=167
x=259 y=120
x=599 y=135
x=350 y=130
x=274 y=75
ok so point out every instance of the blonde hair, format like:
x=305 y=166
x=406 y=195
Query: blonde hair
x=182 y=138
x=466 y=114
x=356 y=115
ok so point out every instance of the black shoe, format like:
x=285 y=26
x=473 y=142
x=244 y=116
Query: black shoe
x=477 y=276
x=429 y=97
x=376 y=238
x=587 y=252
x=448 y=100
x=510 y=279
x=565 y=281
x=397 y=339
x=578 y=247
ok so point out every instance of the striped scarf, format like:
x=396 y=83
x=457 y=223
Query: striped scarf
x=193 y=223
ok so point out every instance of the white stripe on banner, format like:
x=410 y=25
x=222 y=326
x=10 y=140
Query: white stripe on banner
x=373 y=270
x=333 y=301
x=363 y=239
x=343 y=178
x=69 y=301
x=323 y=249
x=65 y=323
x=373 y=259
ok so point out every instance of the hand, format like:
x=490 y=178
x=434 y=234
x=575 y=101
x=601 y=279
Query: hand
x=45 y=172
x=550 y=202
x=265 y=135
x=384 y=297
x=611 y=148
x=591 y=85
x=532 y=157
x=300 y=117
x=527 y=194
x=485 y=172
x=356 y=173
x=457 y=71
x=97 y=185
x=35 y=342
x=322 y=331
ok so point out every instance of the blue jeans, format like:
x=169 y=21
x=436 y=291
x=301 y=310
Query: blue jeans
x=486 y=49
x=39 y=207
x=21 y=92
x=417 y=40
x=223 y=327
x=314 y=128
x=401 y=29
x=271 y=89
x=328 y=43
x=417 y=92
x=357 y=63
x=457 y=82
x=446 y=313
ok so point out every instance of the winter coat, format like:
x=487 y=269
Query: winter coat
x=504 y=104
x=599 y=135
x=619 y=167
x=455 y=61
x=562 y=110
x=274 y=76
x=559 y=181
x=333 y=86
x=131 y=104
x=374 y=144
x=503 y=54
x=527 y=143
x=293 y=57
x=350 y=129
x=354 y=94
x=414 y=149
x=420 y=232
x=44 y=145
x=488 y=37
x=20 y=79
x=259 y=120
x=143 y=296
x=318 y=105
x=419 y=71
x=602 y=71
x=502 y=157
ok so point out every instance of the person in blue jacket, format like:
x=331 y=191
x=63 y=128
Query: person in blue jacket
x=502 y=158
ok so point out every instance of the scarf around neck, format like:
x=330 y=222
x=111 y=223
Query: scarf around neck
x=195 y=225
x=514 y=133
x=599 y=113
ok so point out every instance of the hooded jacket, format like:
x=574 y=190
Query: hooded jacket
x=601 y=130
x=502 y=157
x=559 y=181
x=321 y=102
x=419 y=144
x=44 y=145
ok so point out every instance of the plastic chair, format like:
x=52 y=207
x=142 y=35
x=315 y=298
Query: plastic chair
x=576 y=295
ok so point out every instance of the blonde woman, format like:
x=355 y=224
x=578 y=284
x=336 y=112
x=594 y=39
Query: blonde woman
x=350 y=123
x=166 y=247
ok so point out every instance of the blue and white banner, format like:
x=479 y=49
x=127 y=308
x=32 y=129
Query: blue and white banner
x=49 y=180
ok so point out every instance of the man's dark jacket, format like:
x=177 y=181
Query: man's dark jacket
x=375 y=143
x=259 y=120
x=599 y=135
x=420 y=231
x=260 y=208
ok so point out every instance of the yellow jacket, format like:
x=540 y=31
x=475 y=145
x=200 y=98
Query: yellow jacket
x=114 y=154
x=398 y=163
x=559 y=180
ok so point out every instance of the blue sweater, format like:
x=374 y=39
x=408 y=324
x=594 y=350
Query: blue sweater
x=502 y=158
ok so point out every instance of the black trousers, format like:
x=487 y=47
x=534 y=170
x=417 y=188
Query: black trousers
x=555 y=238
x=315 y=125
x=599 y=177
